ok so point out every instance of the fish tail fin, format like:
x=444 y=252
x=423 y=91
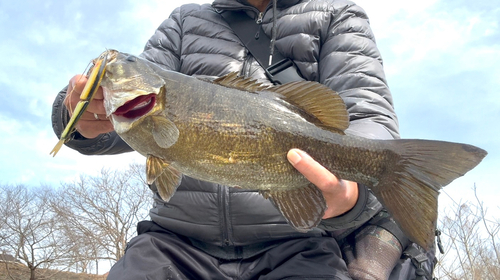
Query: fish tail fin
x=410 y=190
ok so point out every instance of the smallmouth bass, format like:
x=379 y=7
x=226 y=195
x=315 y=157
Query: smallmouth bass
x=236 y=132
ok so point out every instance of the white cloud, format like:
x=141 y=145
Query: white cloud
x=386 y=15
x=438 y=51
x=13 y=58
x=50 y=34
x=421 y=33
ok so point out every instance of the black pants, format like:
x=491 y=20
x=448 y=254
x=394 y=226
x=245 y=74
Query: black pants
x=164 y=255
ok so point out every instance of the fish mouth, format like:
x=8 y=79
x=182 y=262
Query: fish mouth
x=136 y=107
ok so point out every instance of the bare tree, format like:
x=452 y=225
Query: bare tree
x=30 y=231
x=100 y=214
x=471 y=243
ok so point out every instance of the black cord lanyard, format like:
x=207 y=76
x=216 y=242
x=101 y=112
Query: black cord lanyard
x=283 y=70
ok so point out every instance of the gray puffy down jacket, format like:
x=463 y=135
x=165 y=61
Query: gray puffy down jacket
x=330 y=41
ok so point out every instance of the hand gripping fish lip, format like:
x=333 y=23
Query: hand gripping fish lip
x=94 y=80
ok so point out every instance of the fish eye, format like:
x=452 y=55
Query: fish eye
x=132 y=58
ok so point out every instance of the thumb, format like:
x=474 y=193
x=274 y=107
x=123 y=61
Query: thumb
x=311 y=169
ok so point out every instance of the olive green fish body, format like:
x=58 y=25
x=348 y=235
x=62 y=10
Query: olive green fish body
x=241 y=139
x=236 y=132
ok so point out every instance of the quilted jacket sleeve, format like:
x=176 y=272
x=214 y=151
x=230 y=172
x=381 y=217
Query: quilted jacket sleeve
x=351 y=64
x=164 y=47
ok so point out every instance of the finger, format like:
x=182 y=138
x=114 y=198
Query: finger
x=92 y=129
x=101 y=117
x=89 y=116
x=77 y=84
x=97 y=105
x=99 y=94
x=312 y=170
x=75 y=88
x=340 y=195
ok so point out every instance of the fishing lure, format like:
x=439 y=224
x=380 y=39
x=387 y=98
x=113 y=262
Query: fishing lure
x=94 y=80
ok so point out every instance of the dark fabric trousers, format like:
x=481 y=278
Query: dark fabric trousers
x=165 y=255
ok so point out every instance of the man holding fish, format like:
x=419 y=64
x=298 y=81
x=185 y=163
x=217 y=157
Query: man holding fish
x=208 y=222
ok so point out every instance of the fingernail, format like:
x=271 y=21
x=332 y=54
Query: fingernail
x=293 y=157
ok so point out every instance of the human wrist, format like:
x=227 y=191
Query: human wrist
x=354 y=217
x=351 y=196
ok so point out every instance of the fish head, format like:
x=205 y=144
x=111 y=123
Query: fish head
x=131 y=89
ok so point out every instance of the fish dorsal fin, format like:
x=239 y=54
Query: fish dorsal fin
x=319 y=101
x=166 y=178
x=233 y=80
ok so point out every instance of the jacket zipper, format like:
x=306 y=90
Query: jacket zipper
x=259 y=18
x=224 y=226
x=246 y=66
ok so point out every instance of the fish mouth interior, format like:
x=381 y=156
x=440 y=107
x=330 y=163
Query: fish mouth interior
x=137 y=107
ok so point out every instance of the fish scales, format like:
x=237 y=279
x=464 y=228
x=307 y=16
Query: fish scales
x=233 y=139
x=237 y=132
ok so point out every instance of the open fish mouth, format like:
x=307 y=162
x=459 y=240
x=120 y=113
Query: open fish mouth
x=137 y=107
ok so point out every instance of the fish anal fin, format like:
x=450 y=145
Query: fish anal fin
x=166 y=178
x=233 y=80
x=164 y=131
x=319 y=101
x=303 y=208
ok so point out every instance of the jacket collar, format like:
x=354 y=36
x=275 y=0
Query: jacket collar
x=243 y=4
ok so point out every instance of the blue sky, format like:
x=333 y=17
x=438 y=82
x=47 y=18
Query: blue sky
x=442 y=61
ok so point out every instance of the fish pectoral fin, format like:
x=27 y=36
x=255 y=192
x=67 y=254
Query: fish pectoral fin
x=166 y=178
x=303 y=208
x=165 y=133
x=319 y=101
